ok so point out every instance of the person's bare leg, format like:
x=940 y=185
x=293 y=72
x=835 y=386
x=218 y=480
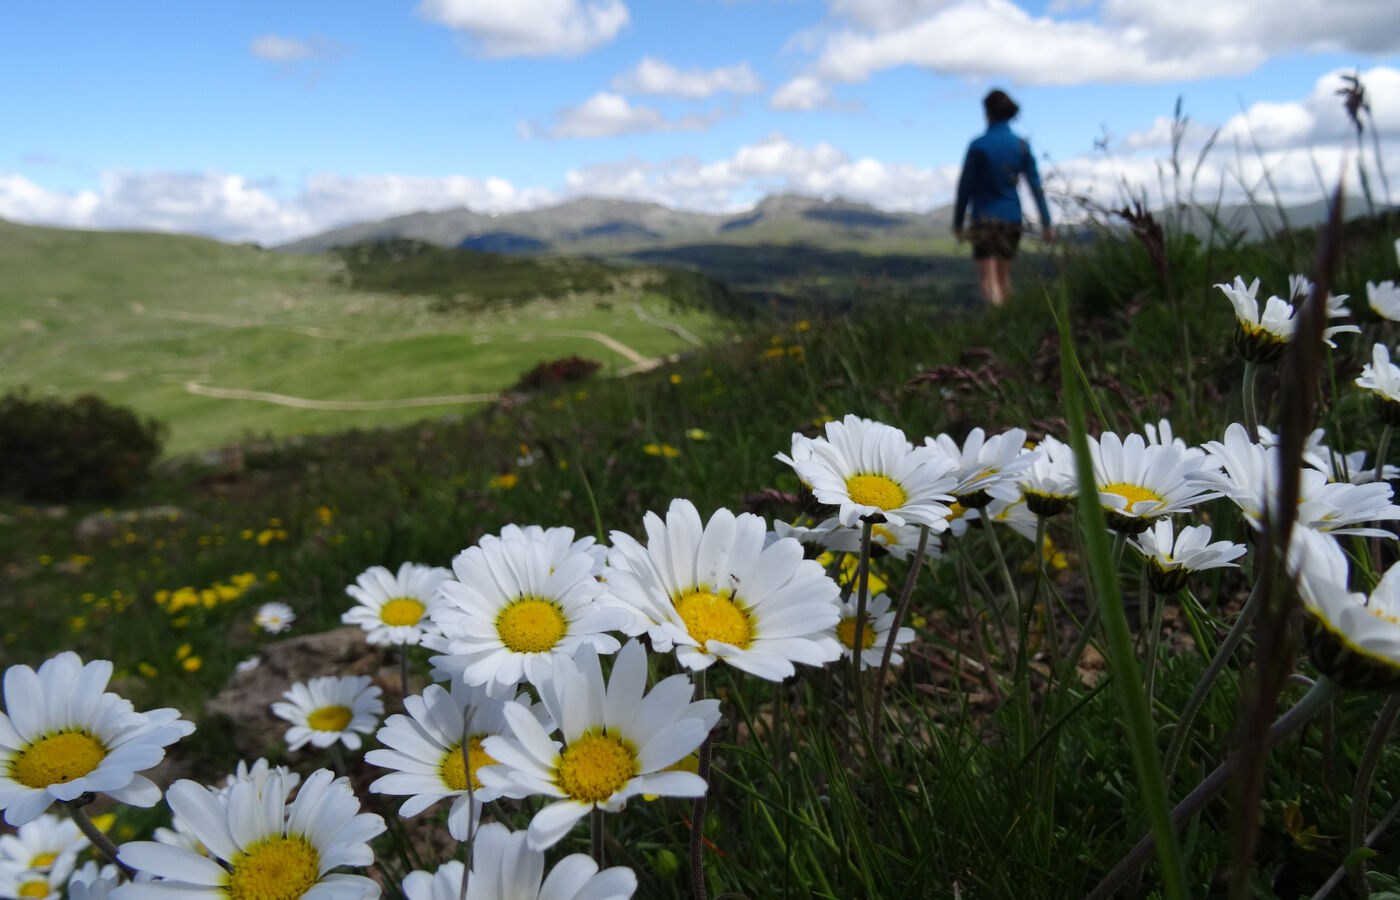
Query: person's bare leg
x=991 y=284
x=1003 y=268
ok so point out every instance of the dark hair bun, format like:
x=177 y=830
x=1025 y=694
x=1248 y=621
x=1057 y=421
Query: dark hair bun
x=999 y=107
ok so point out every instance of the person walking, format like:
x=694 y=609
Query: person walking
x=994 y=165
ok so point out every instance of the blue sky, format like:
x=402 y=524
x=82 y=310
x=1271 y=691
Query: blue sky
x=267 y=121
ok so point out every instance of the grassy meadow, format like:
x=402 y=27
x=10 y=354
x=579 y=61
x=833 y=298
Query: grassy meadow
x=138 y=318
x=1006 y=770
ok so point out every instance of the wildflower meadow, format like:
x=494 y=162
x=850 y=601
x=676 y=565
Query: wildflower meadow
x=1093 y=595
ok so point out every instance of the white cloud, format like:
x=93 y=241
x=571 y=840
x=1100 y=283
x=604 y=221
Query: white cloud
x=502 y=28
x=276 y=48
x=1131 y=40
x=801 y=93
x=606 y=114
x=655 y=76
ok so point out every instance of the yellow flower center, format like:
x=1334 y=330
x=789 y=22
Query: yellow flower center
x=531 y=625
x=595 y=767
x=956 y=511
x=330 y=718
x=846 y=633
x=43 y=860
x=454 y=769
x=57 y=759
x=277 y=868
x=401 y=611
x=1133 y=493
x=875 y=490
x=34 y=889
x=881 y=533
x=710 y=617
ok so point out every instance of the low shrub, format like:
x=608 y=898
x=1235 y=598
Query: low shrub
x=553 y=372
x=83 y=448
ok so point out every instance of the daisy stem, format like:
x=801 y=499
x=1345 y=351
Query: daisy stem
x=867 y=527
x=94 y=834
x=966 y=564
x=1361 y=793
x=403 y=672
x=915 y=566
x=1154 y=637
x=1182 y=732
x=1313 y=702
x=1251 y=414
x=337 y=759
x=596 y=833
x=697 y=810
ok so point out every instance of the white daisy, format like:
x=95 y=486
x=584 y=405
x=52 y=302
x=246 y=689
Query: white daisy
x=985 y=468
x=1249 y=477
x=92 y=883
x=392 y=607
x=259 y=845
x=274 y=617
x=1352 y=637
x=1300 y=288
x=1051 y=482
x=182 y=834
x=716 y=592
x=618 y=739
x=879 y=618
x=1173 y=559
x=329 y=709
x=899 y=541
x=868 y=470
x=41 y=843
x=425 y=750
x=1336 y=466
x=39 y=884
x=63 y=736
x=1384 y=298
x=504 y=866
x=1382 y=378
x=1259 y=338
x=517 y=604
x=1139 y=483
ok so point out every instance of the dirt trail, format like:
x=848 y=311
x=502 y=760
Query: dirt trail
x=303 y=403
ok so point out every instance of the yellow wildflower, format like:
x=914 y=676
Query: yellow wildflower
x=147 y=670
x=191 y=664
x=504 y=482
x=675 y=379
x=183 y=651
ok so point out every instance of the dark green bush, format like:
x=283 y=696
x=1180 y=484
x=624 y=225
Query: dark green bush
x=83 y=448
x=554 y=372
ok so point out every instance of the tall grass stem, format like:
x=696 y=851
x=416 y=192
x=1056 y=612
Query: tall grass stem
x=915 y=565
x=1365 y=773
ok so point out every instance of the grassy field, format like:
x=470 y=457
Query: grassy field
x=138 y=318
x=1006 y=770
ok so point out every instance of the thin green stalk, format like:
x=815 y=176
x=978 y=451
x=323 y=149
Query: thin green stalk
x=915 y=565
x=697 y=809
x=867 y=527
x=596 y=831
x=1361 y=793
x=1154 y=637
x=94 y=834
x=1381 y=449
x=1313 y=702
x=967 y=564
x=1251 y=412
x=1182 y=733
x=1341 y=871
x=403 y=672
x=1138 y=720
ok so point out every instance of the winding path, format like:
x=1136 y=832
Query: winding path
x=303 y=403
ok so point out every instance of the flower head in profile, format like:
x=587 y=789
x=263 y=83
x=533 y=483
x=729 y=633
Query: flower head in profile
x=1051 y=482
x=869 y=470
x=1172 y=559
x=259 y=844
x=1384 y=298
x=505 y=866
x=1382 y=378
x=985 y=468
x=619 y=741
x=879 y=619
x=392 y=607
x=63 y=735
x=274 y=617
x=1300 y=288
x=330 y=709
x=1353 y=637
x=1259 y=338
x=718 y=590
x=1335 y=465
x=898 y=541
x=515 y=606
x=1139 y=483
x=425 y=750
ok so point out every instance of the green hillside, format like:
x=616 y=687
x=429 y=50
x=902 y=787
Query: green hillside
x=183 y=328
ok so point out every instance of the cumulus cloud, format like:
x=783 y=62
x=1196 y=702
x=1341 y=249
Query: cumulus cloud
x=606 y=114
x=500 y=28
x=801 y=93
x=660 y=78
x=1130 y=41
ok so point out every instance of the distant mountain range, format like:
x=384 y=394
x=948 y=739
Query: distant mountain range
x=592 y=225
x=617 y=228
